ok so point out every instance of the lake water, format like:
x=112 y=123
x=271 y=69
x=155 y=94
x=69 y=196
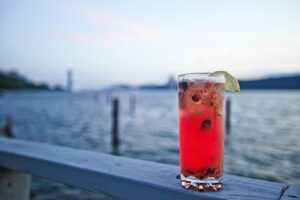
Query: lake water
x=263 y=141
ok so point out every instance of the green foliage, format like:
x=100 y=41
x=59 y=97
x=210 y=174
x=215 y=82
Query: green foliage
x=13 y=81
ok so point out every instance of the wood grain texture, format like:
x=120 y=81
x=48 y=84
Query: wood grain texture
x=124 y=178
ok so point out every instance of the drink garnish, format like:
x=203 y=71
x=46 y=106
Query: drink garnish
x=232 y=84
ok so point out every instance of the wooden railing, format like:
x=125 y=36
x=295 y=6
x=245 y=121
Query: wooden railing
x=121 y=177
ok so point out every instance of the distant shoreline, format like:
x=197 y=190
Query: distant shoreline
x=278 y=83
x=11 y=81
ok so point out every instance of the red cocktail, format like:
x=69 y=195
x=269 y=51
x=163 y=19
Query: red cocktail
x=201 y=118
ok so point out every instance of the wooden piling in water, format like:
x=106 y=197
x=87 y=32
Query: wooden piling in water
x=115 y=126
x=7 y=129
x=228 y=114
x=107 y=97
x=9 y=126
x=132 y=103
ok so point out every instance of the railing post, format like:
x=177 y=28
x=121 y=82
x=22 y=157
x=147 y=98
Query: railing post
x=115 y=127
x=227 y=111
x=14 y=185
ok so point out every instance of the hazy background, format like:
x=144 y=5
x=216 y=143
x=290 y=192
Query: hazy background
x=135 y=42
x=145 y=43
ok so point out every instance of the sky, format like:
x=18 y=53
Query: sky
x=135 y=42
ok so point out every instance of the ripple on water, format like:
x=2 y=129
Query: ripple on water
x=262 y=142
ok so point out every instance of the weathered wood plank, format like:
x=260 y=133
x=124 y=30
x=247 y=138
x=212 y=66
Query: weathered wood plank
x=292 y=193
x=125 y=178
x=14 y=185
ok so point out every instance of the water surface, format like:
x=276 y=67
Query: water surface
x=263 y=141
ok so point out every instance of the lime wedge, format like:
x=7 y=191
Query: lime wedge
x=232 y=84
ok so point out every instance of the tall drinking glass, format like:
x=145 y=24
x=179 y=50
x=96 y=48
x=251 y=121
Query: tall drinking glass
x=201 y=124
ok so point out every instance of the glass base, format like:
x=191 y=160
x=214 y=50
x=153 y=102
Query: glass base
x=209 y=184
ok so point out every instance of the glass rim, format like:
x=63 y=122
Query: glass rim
x=201 y=76
x=194 y=73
